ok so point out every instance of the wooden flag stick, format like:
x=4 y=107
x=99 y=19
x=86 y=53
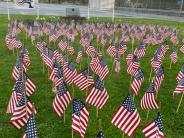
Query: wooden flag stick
x=13 y=52
x=150 y=74
x=43 y=69
x=64 y=118
x=96 y=112
x=147 y=115
x=130 y=84
x=72 y=133
x=170 y=65
x=123 y=135
x=100 y=124
x=180 y=103
x=112 y=67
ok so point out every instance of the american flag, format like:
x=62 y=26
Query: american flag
x=54 y=71
x=148 y=101
x=90 y=51
x=111 y=51
x=62 y=99
x=137 y=82
x=134 y=66
x=100 y=52
x=29 y=85
x=79 y=54
x=180 y=74
x=180 y=87
x=159 y=77
x=103 y=39
x=95 y=64
x=182 y=49
x=140 y=51
x=52 y=36
x=69 y=73
x=98 y=95
x=40 y=45
x=62 y=45
x=155 y=62
x=47 y=57
x=103 y=70
x=122 y=48
x=174 y=39
x=84 y=79
x=65 y=61
x=129 y=59
x=70 y=49
x=15 y=43
x=127 y=117
x=18 y=65
x=100 y=135
x=25 y=54
x=79 y=117
x=155 y=128
x=31 y=129
x=21 y=113
x=174 y=56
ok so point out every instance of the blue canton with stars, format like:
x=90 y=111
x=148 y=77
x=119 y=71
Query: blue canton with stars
x=160 y=71
x=158 y=122
x=62 y=89
x=151 y=88
x=100 y=135
x=103 y=62
x=78 y=105
x=139 y=75
x=182 y=69
x=72 y=66
x=99 y=84
x=87 y=72
x=31 y=130
x=181 y=82
x=128 y=104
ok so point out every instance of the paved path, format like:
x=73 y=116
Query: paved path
x=59 y=10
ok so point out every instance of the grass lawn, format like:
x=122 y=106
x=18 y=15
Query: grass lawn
x=117 y=85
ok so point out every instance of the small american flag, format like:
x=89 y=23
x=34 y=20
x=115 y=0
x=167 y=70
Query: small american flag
x=137 y=82
x=174 y=56
x=155 y=62
x=62 y=99
x=79 y=54
x=174 y=39
x=180 y=74
x=180 y=87
x=98 y=95
x=21 y=113
x=79 y=117
x=134 y=66
x=62 y=45
x=155 y=128
x=159 y=77
x=103 y=70
x=90 y=51
x=129 y=59
x=70 y=49
x=140 y=51
x=95 y=64
x=84 y=79
x=127 y=117
x=111 y=51
x=122 y=48
x=47 y=57
x=149 y=99
x=31 y=129
x=69 y=73
x=117 y=64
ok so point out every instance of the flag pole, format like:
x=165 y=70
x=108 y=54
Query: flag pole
x=8 y=10
x=96 y=112
x=150 y=74
x=180 y=102
x=147 y=115
x=88 y=10
x=170 y=65
x=113 y=13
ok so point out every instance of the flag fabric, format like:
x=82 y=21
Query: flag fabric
x=69 y=73
x=129 y=59
x=127 y=117
x=98 y=95
x=149 y=99
x=111 y=51
x=79 y=54
x=155 y=128
x=103 y=70
x=180 y=74
x=122 y=48
x=140 y=51
x=31 y=129
x=62 y=99
x=180 y=87
x=47 y=57
x=137 y=81
x=62 y=45
x=94 y=64
x=182 y=49
x=80 y=117
x=30 y=87
x=155 y=62
x=158 y=78
x=174 y=56
x=90 y=51
x=134 y=66
x=100 y=135
x=84 y=79
x=21 y=113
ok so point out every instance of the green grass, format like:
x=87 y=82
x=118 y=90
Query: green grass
x=117 y=85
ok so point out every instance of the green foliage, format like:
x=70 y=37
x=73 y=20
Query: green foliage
x=117 y=85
